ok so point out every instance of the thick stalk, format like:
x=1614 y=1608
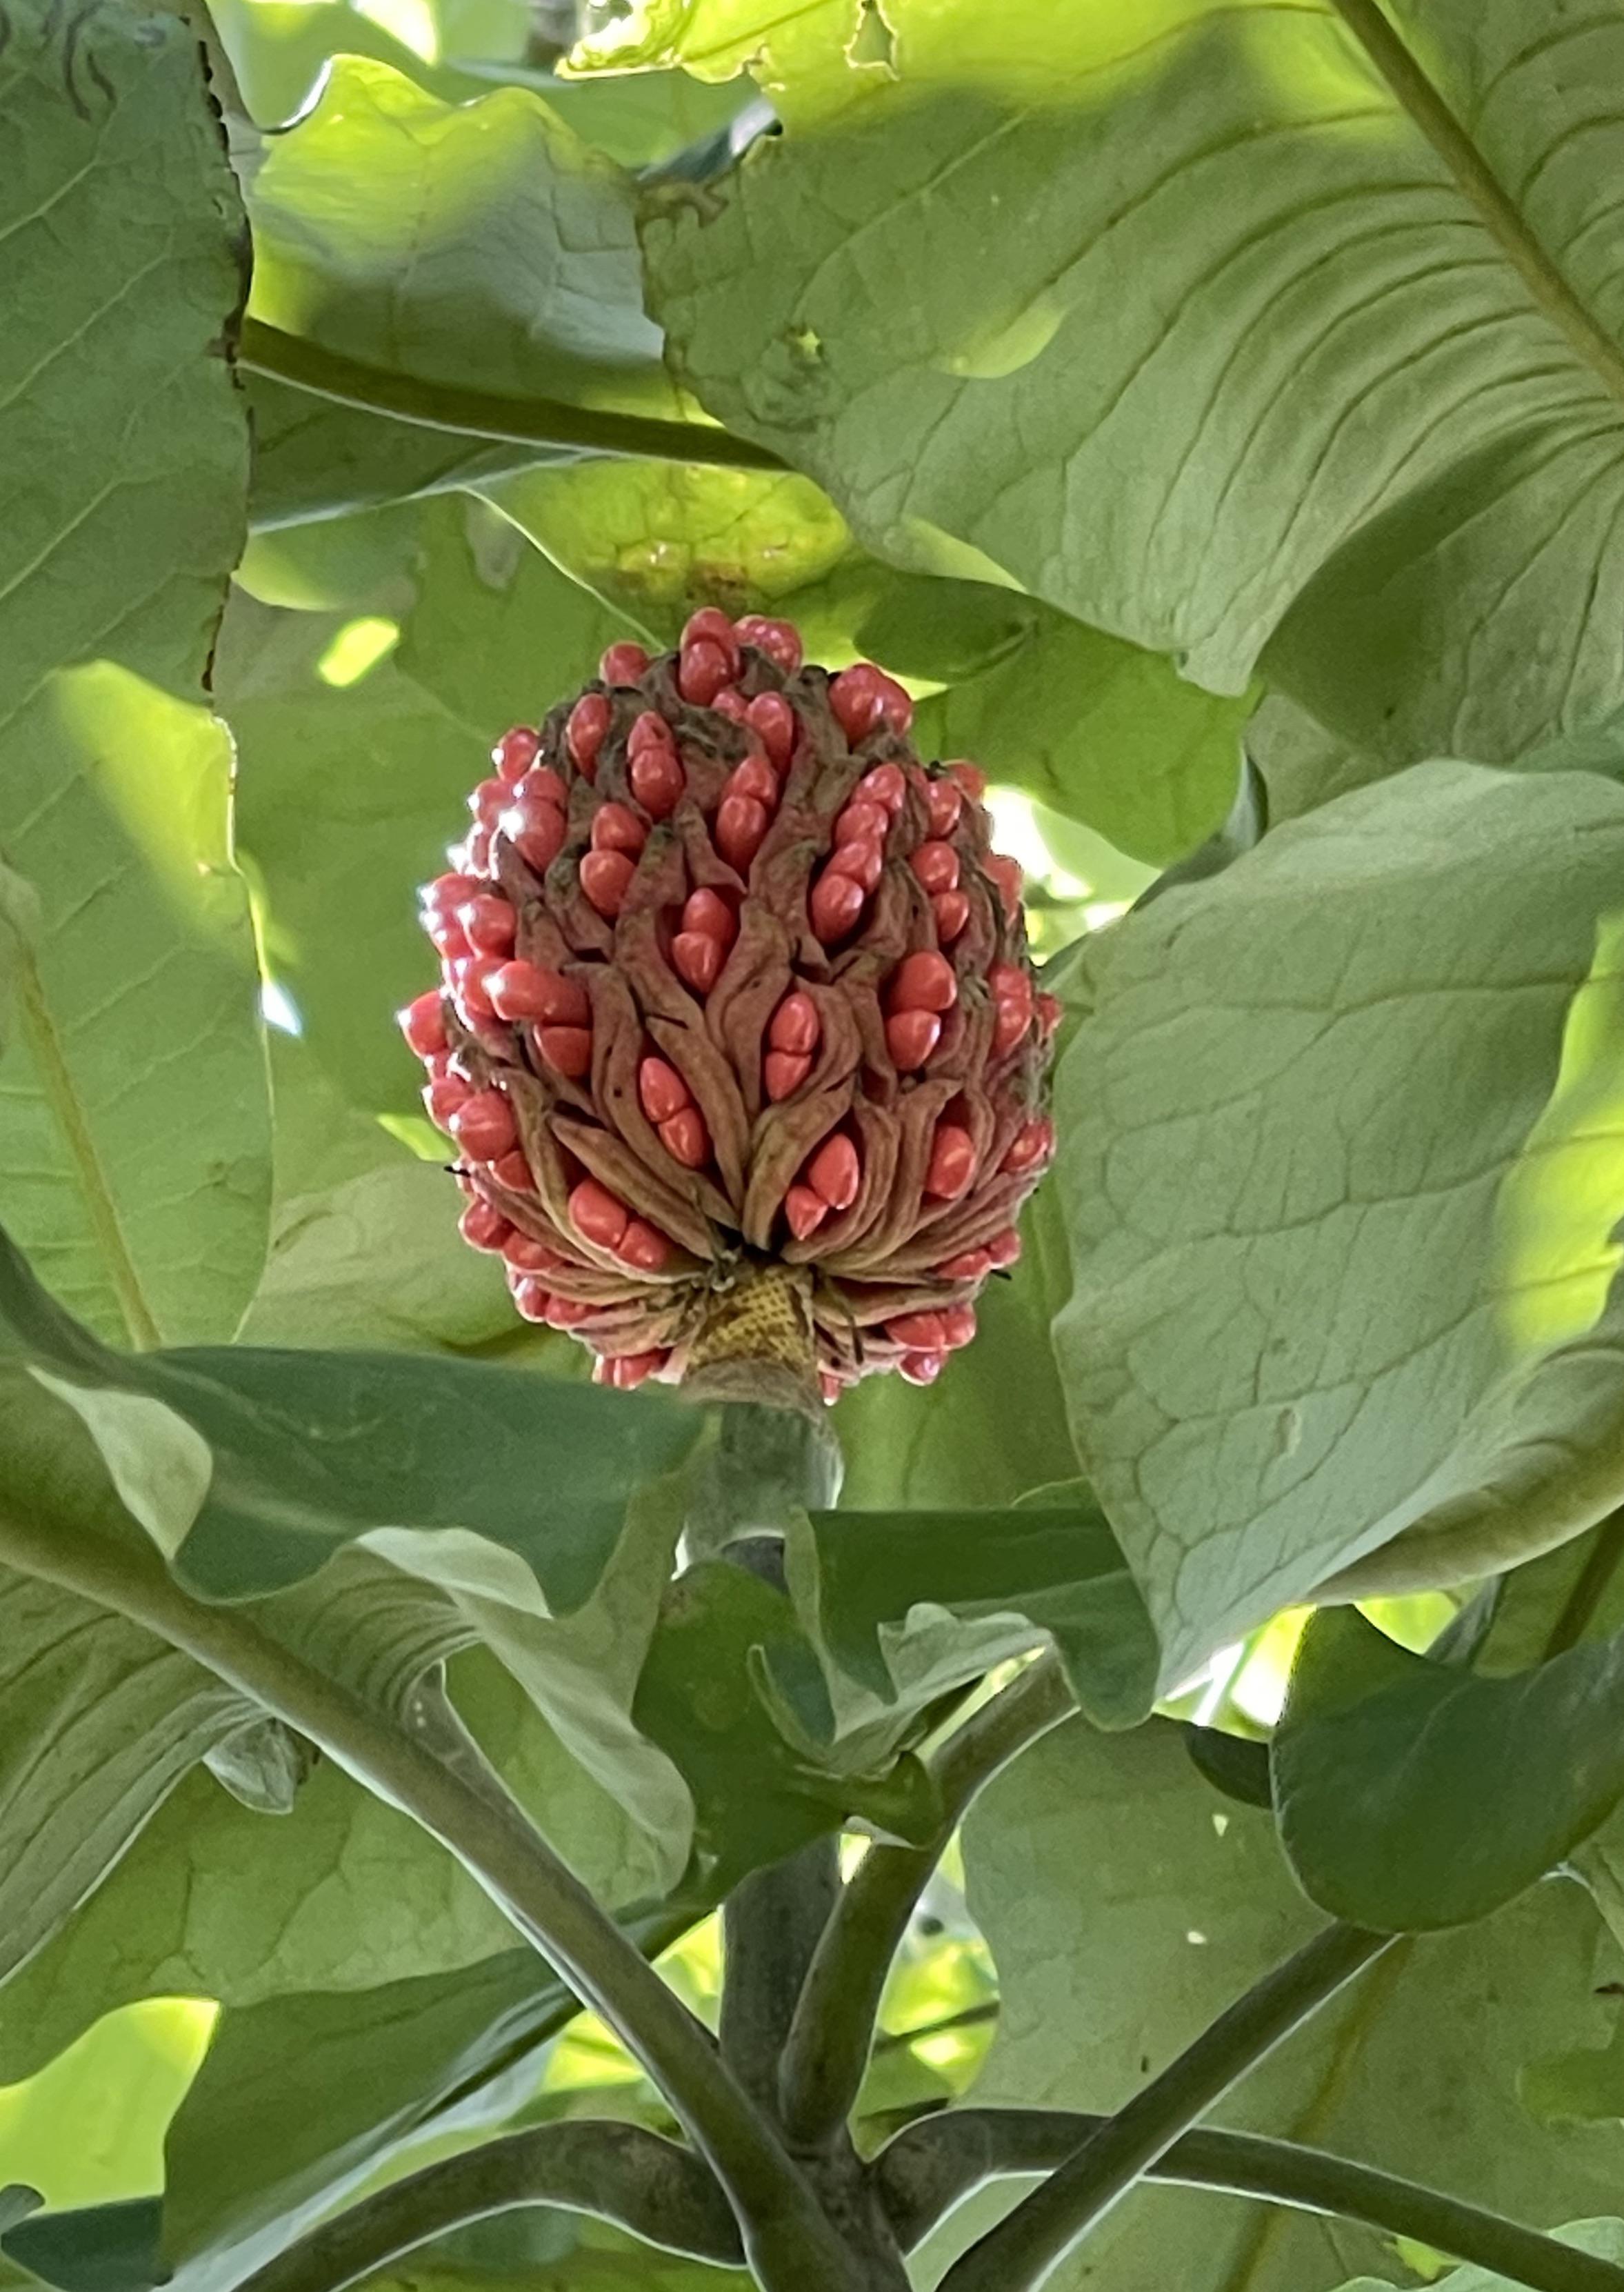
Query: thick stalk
x=830 y=2039
x=621 y=2173
x=1017 y=2254
x=307 y=365
x=771 y=1926
x=787 y=2237
x=935 y=2165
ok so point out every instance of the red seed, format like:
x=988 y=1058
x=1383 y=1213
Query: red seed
x=969 y=1266
x=836 y=904
x=567 y=1312
x=513 y=1171
x=755 y=777
x=445 y=934
x=468 y=978
x=606 y=877
x=862 y=823
x=487 y=800
x=923 y=1331
x=515 y=752
x=708 y=912
x=537 y=833
x=484 y=1126
x=958 y=1326
x=865 y=863
x=657 y=781
x=1032 y=1145
x=937 y=867
x=488 y=924
x=911 y=1036
x=804 y=1210
x=970 y=778
x=863 y=698
x=449 y=892
x=924 y=982
x=1008 y=1026
x=703 y=668
x=483 y=1225
x=644 y=1246
x=741 y=825
x=1006 y=874
x=649 y=729
x=952 y=1162
x=661 y=1090
x=835 y=1173
x=795 y=1025
x=597 y=1215
x=698 y=959
x=686 y=1139
x=622 y=664
x=1004 y=1249
x=567 y=1003
x=731 y=703
x=830 y=1386
x=530 y=1299
x=423 y=1022
x=922 y=1368
x=615 y=828
x=710 y=625
x=884 y=786
x=1049 y=1010
x=944 y=803
x=475 y=853
x=782 y=1072
x=566 y=1050
x=589 y=720
x=543 y=786
x=951 y=910
x=627 y=1371
x=525 y=1255
x=520 y=990
x=780 y=641
x=443 y=1097
x=772 y=720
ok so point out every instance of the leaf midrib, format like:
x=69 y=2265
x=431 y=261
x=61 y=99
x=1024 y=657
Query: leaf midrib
x=1472 y=173
x=62 y=1097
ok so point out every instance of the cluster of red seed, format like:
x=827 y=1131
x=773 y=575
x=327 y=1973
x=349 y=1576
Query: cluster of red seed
x=732 y=981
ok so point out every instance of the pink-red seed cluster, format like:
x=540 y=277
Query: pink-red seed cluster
x=715 y=907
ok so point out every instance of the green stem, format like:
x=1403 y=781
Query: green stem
x=934 y=2166
x=621 y=2173
x=771 y=1926
x=308 y=364
x=1019 y=2253
x=1586 y=1596
x=787 y=2237
x=826 y=2051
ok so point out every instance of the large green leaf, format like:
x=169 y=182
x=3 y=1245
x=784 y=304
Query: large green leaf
x=1183 y=313
x=1411 y=1793
x=482 y=243
x=1605 y=2237
x=348 y=797
x=1125 y=1904
x=98 y=1723
x=883 y=1593
x=141 y=1180
x=1339 y=1156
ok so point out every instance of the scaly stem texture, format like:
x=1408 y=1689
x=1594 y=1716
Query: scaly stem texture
x=1019 y=2253
x=829 y=2041
x=934 y=2166
x=787 y=2237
